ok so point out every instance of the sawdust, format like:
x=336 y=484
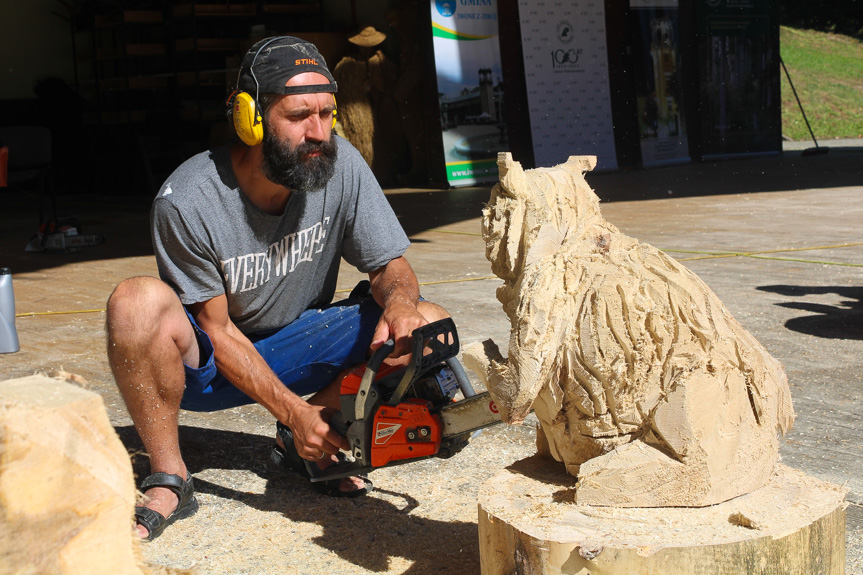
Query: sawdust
x=69 y=377
x=738 y=518
x=255 y=519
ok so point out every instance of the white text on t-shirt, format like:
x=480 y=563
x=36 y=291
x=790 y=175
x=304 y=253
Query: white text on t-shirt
x=247 y=272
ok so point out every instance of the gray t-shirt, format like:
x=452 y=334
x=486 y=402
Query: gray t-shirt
x=211 y=240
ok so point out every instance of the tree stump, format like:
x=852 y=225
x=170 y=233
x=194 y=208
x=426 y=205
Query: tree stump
x=530 y=523
x=66 y=486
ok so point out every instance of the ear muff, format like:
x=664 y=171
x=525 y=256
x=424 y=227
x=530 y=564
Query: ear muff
x=335 y=112
x=247 y=119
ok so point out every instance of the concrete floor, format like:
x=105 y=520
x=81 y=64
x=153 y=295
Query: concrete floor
x=778 y=239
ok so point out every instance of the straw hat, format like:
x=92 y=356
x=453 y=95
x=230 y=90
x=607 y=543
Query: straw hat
x=368 y=37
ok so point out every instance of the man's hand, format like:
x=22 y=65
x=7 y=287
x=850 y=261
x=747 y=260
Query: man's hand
x=243 y=366
x=313 y=436
x=395 y=288
x=397 y=323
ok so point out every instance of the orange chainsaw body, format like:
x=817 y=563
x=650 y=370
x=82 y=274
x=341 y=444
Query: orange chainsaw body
x=404 y=431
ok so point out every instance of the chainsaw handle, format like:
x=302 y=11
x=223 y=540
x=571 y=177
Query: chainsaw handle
x=368 y=379
x=380 y=355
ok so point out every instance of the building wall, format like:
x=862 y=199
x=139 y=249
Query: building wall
x=34 y=44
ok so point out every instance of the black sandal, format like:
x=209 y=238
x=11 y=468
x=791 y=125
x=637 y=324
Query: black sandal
x=153 y=521
x=290 y=459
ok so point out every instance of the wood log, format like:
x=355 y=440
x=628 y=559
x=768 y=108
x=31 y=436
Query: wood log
x=530 y=525
x=66 y=485
x=645 y=386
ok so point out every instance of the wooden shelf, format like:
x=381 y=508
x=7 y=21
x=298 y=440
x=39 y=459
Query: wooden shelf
x=209 y=44
x=112 y=84
x=133 y=50
x=179 y=60
x=205 y=78
x=129 y=17
x=133 y=83
x=207 y=113
x=145 y=49
x=123 y=117
x=303 y=9
x=223 y=9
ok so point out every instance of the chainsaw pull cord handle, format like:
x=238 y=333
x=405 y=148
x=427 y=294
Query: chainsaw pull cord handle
x=372 y=368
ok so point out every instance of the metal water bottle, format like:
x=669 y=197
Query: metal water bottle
x=8 y=335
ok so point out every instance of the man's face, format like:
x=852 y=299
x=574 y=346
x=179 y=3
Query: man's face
x=302 y=168
x=298 y=151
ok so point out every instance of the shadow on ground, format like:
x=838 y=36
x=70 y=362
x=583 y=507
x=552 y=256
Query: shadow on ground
x=843 y=321
x=366 y=531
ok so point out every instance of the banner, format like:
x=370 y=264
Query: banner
x=470 y=88
x=659 y=98
x=566 y=70
x=739 y=78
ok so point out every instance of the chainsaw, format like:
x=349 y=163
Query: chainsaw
x=395 y=415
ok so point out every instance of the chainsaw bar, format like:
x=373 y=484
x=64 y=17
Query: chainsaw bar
x=469 y=415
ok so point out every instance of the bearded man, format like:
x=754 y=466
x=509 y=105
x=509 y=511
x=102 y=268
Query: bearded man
x=248 y=241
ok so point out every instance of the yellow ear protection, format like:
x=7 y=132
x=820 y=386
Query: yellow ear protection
x=245 y=111
x=247 y=119
x=335 y=112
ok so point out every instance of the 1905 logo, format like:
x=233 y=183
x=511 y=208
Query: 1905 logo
x=565 y=59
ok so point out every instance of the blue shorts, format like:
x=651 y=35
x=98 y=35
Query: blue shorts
x=306 y=355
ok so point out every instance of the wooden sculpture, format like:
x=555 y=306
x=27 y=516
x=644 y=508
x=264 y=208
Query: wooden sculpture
x=645 y=386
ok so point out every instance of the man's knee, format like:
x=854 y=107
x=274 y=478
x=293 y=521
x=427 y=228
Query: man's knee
x=138 y=303
x=431 y=311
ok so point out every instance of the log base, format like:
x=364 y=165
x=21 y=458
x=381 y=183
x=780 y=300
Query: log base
x=529 y=523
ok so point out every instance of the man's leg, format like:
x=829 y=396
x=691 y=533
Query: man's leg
x=149 y=339
x=431 y=311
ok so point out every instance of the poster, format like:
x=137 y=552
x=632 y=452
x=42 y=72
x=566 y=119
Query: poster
x=470 y=88
x=659 y=97
x=740 y=99
x=566 y=71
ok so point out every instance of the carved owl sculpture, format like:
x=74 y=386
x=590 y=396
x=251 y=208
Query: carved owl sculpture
x=645 y=386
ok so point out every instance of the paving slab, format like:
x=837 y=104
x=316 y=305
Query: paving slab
x=778 y=239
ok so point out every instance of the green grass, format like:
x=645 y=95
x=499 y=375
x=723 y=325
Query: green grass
x=827 y=71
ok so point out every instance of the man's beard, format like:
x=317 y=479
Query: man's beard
x=293 y=168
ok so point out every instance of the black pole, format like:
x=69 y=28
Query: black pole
x=781 y=61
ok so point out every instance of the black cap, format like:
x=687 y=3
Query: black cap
x=271 y=62
x=5 y=271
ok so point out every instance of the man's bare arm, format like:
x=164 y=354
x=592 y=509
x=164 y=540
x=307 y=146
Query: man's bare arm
x=396 y=290
x=238 y=360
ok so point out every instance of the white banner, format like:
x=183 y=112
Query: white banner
x=566 y=70
x=470 y=88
